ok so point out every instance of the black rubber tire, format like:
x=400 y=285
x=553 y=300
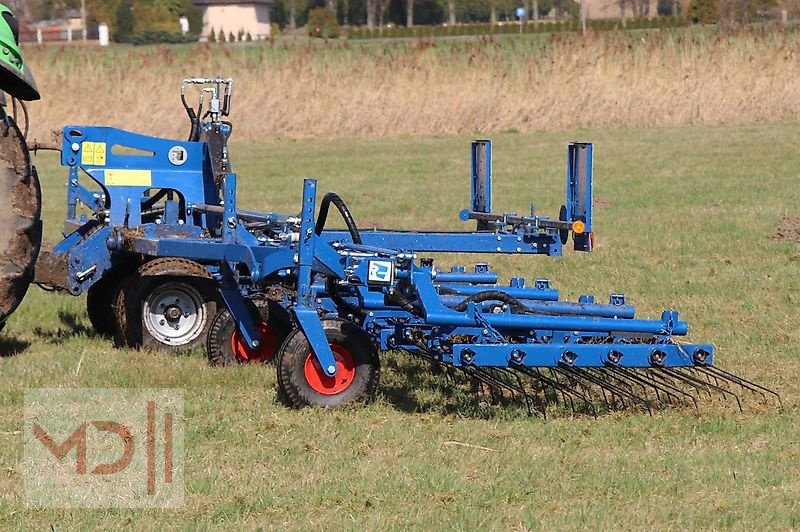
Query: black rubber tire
x=120 y=316
x=296 y=349
x=101 y=301
x=219 y=346
x=157 y=275
x=20 y=219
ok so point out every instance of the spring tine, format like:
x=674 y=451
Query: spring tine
x=614 y=380
x=624 y=380
x=542 y=381
x=516 y=376
x=676 y=384
x=697 y=384
x=489 y=379
x=502 y=384
x=669 y=385
x=563 y=387
x=557 y=385
x=609 y=397
x=666 y=388
x=632 y=382
x=579 y=380
x=621 y=393
x=744 y=383
x=692 y=378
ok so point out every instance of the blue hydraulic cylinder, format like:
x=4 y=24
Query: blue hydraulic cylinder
x=482 y=179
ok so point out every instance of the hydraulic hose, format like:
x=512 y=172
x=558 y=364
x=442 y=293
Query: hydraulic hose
x=332 y=289
x=491 y=295
x=332 y=197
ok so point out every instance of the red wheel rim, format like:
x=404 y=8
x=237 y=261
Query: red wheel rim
x=345 y=372
x=265 y=352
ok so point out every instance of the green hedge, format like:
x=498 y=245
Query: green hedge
x=511 y=27
x=161 y=37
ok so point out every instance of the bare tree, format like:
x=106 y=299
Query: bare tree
x=451 y=8
x=293 y=14
x=370 y=14
x=409 y=13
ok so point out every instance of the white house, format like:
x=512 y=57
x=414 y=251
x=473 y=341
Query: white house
x=237 y=17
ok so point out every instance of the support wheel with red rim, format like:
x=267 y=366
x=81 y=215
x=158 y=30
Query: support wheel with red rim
x=306 y=384
x=226 y=345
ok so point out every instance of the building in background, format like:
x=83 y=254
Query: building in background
x=235 y=17
x=68 y=28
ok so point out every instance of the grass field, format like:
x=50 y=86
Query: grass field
x=684 y=219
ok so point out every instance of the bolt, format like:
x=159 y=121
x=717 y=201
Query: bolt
x=486 y=331
x=231 y=222
x=255 y=344
x=519 y=250
x=499 y=249
x=331 y=369
x=76 y=146
x=161 y=322
x=499 y=238
x=568 y=357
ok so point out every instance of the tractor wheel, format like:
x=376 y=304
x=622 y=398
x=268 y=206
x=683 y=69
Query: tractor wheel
x=169 y=305
x=226 y=345
x=120 y=317
x=101 y=302
x=20 y=219
x=305 y=384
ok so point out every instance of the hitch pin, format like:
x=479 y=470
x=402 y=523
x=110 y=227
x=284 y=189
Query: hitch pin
x=82 y=276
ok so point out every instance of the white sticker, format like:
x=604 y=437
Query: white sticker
x=380 y=271
x=178 y=155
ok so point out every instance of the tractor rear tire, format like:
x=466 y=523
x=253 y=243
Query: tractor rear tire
x=226 y=346
x=20 y=219
x=303 y=382
x=169 y=305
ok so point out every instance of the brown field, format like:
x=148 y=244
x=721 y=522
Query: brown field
x=340 y=89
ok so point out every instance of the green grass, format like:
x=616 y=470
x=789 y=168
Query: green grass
x=683 y=219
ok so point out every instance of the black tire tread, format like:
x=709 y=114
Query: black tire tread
x=160 y=269
x=292 y=355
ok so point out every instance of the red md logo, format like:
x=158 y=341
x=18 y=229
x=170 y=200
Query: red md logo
x=78 y=441
x=110 y=448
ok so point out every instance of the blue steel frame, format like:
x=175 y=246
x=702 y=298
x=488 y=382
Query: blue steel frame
x=201 y=222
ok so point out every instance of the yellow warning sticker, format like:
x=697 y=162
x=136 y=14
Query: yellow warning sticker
x=87 y=153
x=93 y=153
x=99 y=153
x=128 y=178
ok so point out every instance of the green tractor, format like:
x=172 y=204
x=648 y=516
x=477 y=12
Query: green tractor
x=20 y=219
